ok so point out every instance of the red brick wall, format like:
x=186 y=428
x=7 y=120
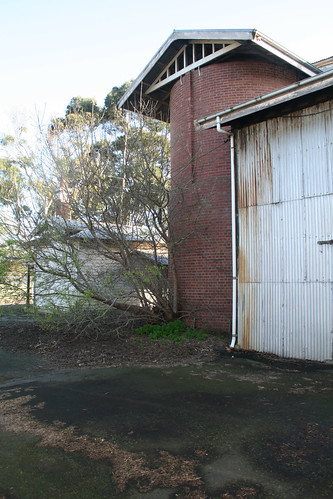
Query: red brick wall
x=200 y=208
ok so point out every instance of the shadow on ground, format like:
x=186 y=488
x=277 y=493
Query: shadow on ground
x=237 y=428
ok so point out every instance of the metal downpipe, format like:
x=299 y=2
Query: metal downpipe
x=233 y=231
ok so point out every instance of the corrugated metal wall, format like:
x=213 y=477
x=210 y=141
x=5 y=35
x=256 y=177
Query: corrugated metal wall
x=285 y=208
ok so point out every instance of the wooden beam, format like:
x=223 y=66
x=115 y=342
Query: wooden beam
x=158 y=84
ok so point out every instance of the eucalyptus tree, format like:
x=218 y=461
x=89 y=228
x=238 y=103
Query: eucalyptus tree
x=13 y=271
x=98 y=188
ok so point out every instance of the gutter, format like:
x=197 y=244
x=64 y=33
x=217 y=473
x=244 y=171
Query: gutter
x=233 y=231
x=285 y=94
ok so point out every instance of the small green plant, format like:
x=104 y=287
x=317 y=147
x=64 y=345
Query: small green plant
x=175 y=331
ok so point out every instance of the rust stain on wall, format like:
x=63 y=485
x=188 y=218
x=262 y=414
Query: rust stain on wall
x=255 y=185
x=246 y=330
x=244 y=318
x=243 y=271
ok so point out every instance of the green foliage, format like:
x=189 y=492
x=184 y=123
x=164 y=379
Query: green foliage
x=104 y=157
x=82 y=105
x=111 y=100
x=11 y=181
x=81 y=318
x=6 y=140
x=95 y=171
x=175 y=331
x=150 y=275
x=80 y=112
x=13 y=273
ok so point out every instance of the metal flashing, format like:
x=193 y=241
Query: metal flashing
x=263 y=102
x=271 y=46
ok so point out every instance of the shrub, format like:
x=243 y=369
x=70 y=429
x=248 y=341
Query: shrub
x=175 y=331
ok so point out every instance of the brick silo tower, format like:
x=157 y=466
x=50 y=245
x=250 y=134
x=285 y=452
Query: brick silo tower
x=196 y=74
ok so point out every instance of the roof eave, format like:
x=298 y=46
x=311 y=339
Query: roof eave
x=242 y=34
x=252 y=35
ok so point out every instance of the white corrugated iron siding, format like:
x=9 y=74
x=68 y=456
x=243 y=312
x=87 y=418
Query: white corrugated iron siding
x=285 y=208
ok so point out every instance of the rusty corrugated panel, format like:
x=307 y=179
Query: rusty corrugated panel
x=285 y=205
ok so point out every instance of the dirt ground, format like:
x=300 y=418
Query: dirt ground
x=236 y=428
x=113 y=347
x=172 y=425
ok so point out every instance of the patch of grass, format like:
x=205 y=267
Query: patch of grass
x=175 y=331
x=16 y=310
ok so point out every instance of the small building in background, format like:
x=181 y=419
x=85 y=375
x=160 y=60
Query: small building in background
x=69 y=258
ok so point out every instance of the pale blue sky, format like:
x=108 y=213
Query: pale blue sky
x=52 y=51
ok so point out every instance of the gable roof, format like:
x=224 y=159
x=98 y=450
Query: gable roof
x=77 y=229
x=185 y=50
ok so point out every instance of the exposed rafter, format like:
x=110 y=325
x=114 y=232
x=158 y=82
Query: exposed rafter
x=192 y=55
x=186 y=50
